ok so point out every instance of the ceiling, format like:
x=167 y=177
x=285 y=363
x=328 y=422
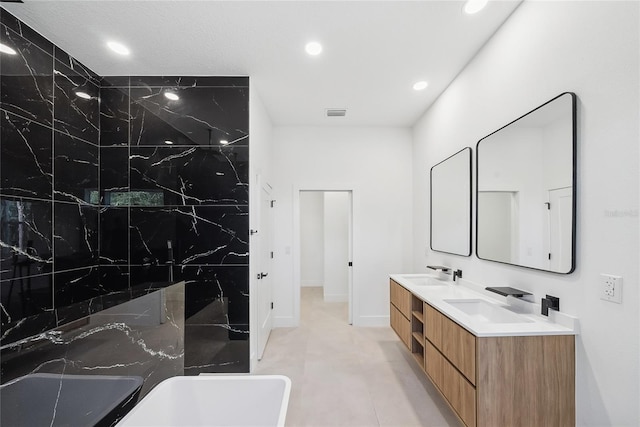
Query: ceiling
x=373 y=51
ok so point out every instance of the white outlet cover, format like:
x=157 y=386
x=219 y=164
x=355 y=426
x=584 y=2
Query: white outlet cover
x=611 y=288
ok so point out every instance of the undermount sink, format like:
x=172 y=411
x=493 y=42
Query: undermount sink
x=481 y=310
x=423 y=280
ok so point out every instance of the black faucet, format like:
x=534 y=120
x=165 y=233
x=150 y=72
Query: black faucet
x=550 y=303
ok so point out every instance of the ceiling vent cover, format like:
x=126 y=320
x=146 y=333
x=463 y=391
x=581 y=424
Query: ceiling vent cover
x=336 y=112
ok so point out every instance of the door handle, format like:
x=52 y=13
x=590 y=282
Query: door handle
x=262 y=275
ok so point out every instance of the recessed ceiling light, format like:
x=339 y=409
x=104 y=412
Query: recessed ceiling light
x=6 y=49
x=168 y=142
x=118 y=48
x=474 y=6
x=83 y=95
x=172 y=96
x=224 y=142
x=313 y=48
x=421 y=85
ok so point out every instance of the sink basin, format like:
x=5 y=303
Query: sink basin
x=213 y=400
x=483 y=311
x=423 y=280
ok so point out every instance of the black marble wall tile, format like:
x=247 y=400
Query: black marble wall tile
x=75 y=232
x=114 y=116
x=190 y=81
x=225 y=286
x=114 y=175
x=114 y=236
x=76 y=170
x=74 y=286
x=26 y=86
x=25 y=31
x=25 y=296
x=202 y=115
x=74 y=114
x=19 y=329
x=26 y=236
x=141 y=337
x=216 y=348
x=193 y=175
x=153 y=275
x=114 y=279
x=79 y=68
x=199 y=235
x=25 y=157
x=115 y=81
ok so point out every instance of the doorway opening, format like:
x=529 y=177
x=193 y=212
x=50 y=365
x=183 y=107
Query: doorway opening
x=325 y=249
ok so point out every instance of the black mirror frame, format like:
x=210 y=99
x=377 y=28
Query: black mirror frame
x=470 y=203
x=574 y=192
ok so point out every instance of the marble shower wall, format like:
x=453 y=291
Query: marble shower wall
x=106 y=198
x=174 y=185
x=49 y=167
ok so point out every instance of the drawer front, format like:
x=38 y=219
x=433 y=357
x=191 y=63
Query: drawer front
x=433 y=325
x=401 y=298
x=460 y=394
x=459 y=346
x=401 y=325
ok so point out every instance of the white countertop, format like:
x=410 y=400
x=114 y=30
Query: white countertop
x=529 y=320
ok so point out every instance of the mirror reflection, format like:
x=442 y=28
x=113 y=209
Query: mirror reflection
x=526 y=189
x=451 y=204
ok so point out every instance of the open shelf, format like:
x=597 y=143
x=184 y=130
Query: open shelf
x=418 y=337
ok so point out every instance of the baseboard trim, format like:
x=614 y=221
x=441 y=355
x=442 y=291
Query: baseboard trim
x=284 y=322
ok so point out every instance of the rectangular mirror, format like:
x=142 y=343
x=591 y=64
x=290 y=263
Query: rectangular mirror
x=451 y=204
x=526 y=192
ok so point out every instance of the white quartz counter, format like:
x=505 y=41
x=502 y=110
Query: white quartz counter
x=484 y=313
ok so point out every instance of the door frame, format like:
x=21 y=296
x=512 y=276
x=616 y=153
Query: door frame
x=352 y=291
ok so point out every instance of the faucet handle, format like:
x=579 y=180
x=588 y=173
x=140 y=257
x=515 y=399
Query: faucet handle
x=550 y=302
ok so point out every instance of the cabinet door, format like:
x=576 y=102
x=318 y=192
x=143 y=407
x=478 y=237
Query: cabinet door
x=401 y=325
x=401 y=298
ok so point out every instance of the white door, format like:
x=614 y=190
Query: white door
x=264 y=287
x=560 y=229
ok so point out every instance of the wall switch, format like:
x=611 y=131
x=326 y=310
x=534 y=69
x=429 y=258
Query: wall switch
x=611 y=288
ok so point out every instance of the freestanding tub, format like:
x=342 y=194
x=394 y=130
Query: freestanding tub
x=213 y=400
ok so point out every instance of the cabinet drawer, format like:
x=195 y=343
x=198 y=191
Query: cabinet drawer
x=454 y=342
x=460 y=394
x=401 y=325
x=401 y=298
x=433 y=325
x=460 y=348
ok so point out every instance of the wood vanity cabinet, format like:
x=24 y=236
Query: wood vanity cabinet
x=400 y=312
x=495 y=381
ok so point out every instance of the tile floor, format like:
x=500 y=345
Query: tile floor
x=349 y=376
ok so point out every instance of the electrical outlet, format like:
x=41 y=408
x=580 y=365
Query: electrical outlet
x=611 y=288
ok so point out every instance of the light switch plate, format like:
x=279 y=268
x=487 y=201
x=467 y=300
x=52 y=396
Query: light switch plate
x=611 y=288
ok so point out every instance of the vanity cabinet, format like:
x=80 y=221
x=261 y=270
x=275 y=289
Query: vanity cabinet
x=400 y=312
x=494 y=380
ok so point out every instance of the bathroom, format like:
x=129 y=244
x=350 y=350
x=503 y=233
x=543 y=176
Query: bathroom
x=541 y=50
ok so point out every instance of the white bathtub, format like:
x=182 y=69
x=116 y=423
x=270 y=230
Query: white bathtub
x=213 y=400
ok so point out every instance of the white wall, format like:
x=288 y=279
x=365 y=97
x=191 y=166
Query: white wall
x=376 y=164
x=336 y=246
x=260 y=154
x=545 y=48
x=311 y=238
